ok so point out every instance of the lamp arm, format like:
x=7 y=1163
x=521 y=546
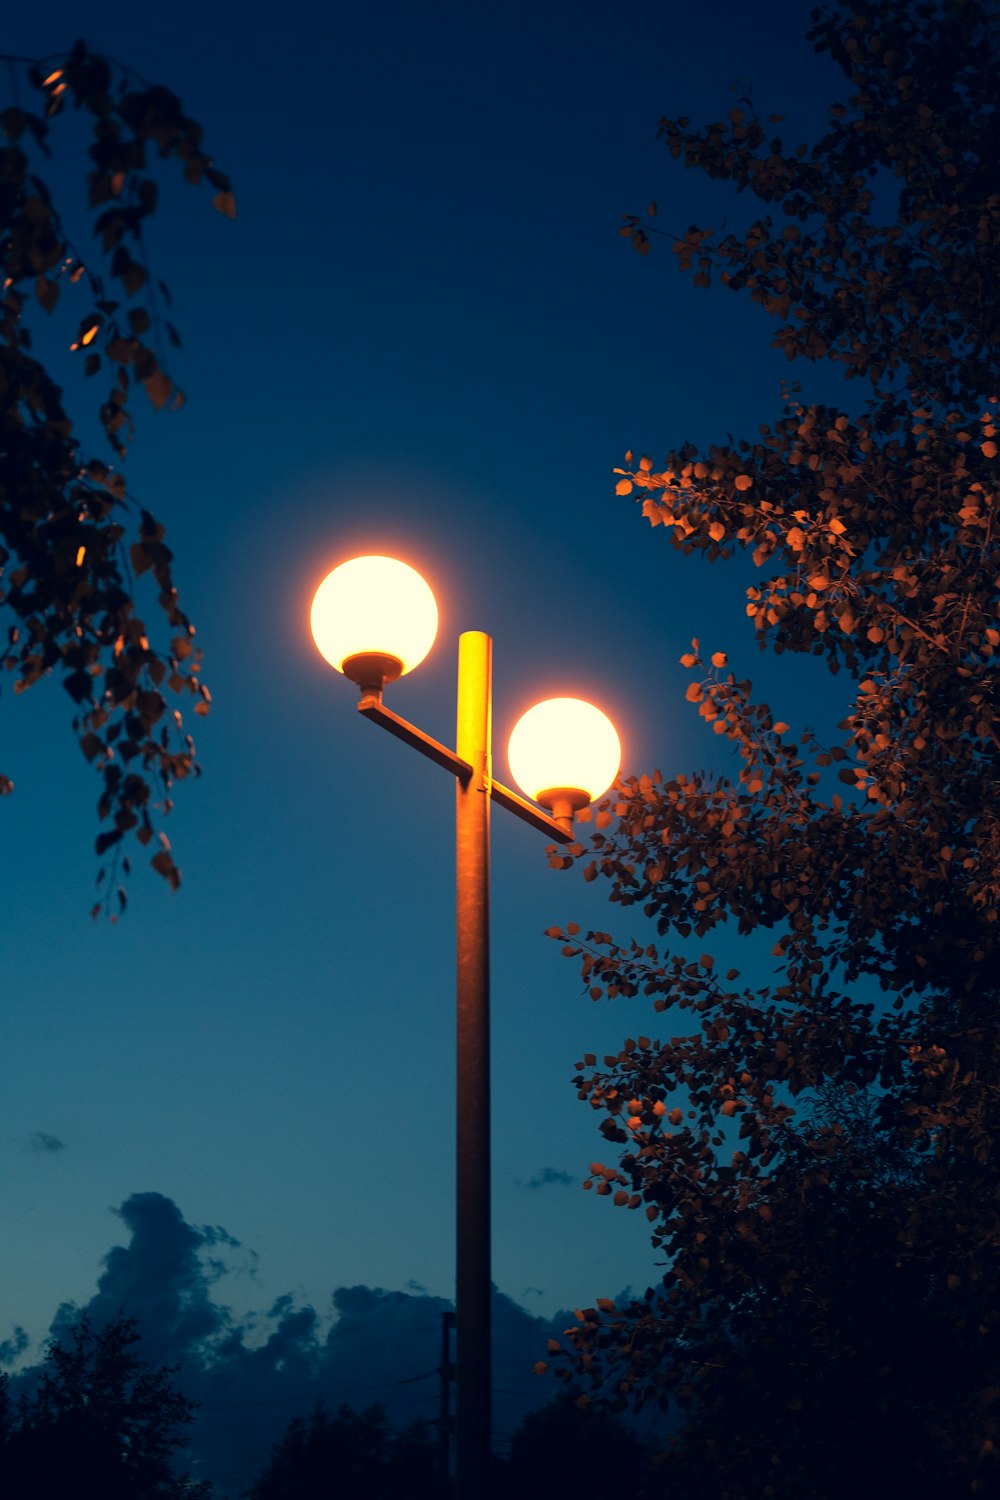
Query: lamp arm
x=372 y=707
x=526 y=810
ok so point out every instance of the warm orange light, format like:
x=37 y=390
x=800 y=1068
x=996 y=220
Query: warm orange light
x=374 y=605
x=564 y=743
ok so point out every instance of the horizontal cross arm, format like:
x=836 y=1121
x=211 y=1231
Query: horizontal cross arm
x=373 y=708
x=520 y=806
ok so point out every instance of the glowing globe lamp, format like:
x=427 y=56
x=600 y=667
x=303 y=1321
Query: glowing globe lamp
x=374 y=619
x=564 y=753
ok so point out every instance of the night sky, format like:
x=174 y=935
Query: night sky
x=422 y=336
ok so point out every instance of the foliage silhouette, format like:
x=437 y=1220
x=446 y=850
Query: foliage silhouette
x=352 y=1456
x=101 y=1422
x=72 y=540
x=830 y=1311
x=565 y=1448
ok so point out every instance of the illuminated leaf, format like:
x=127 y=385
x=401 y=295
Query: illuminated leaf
x=158 y=388
x=225 y=203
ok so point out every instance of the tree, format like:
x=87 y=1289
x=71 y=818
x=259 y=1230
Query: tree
x=351 y=1456
x=99 y=1417
x=565 y=1447
x=831 y=1286
x=72 y=539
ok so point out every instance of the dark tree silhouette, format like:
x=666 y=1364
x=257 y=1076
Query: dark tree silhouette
x=571 y=1448
x=352 y=1456
x=818 y=1158
x=72 y=539
x=100 y=1422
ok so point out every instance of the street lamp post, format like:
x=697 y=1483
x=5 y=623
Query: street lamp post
x=374 y=618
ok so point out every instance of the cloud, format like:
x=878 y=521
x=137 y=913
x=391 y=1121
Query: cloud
x=42 y=1141
x=549 y=1176
x=160 y=1278
x=253 y=1374
x=11 y=1349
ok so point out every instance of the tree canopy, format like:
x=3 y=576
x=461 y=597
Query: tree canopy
x=100 y=1420
x=817 y=1156
x=73 y=541
x=352 y=1455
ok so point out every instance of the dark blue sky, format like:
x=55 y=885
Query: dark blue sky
x=422 y=335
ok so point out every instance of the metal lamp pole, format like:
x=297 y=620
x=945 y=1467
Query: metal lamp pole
x=471 y=764
x=473 y=1279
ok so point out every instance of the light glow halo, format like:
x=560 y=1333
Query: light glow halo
x=564 y=742
x=374 y=604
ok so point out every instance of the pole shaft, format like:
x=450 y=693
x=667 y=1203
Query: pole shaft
x=473 y=1280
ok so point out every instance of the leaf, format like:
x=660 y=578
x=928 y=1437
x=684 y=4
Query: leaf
x=717 y=531
x=163 y=865
x=743 y=481
x=624 y=487
x=47 y=292
x=158 y=388
x=134 y=278
x=719 y=659
x=225 y=203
